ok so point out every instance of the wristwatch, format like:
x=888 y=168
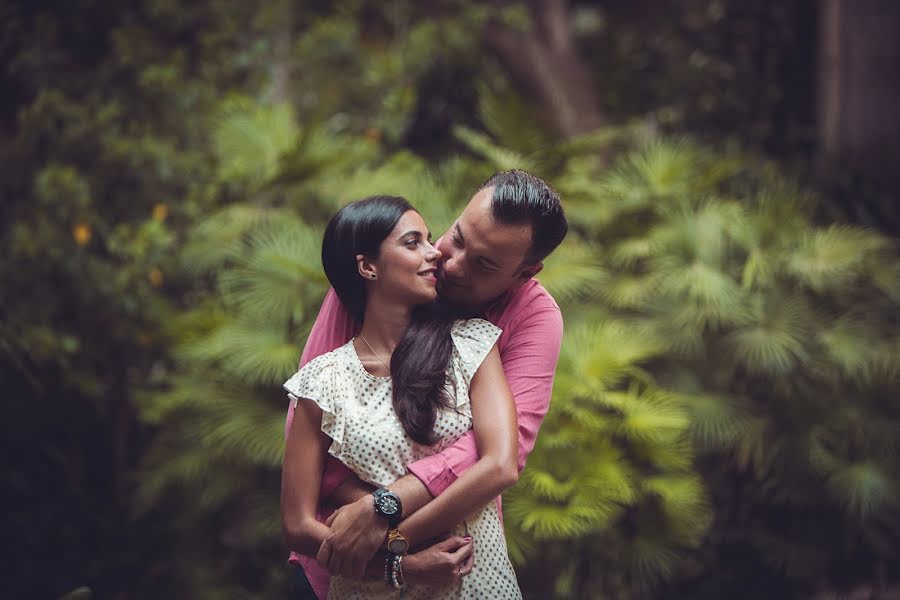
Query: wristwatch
x=396 y=543
x=387 y=505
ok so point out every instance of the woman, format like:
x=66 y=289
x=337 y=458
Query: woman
x=407 y=386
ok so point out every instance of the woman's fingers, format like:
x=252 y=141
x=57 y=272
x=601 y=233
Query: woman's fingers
x=331 y=517
x=469 y=562
x=451 y=544
x=324 y=554
x=464 y=552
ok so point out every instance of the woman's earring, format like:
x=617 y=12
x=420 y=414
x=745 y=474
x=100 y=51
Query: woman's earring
x=373 y=275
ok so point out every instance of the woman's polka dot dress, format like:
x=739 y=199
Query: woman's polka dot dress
x=358 y=416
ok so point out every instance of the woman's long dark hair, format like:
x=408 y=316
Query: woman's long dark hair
x=420 y=361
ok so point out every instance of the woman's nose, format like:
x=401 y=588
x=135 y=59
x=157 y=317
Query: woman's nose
x=432 y=254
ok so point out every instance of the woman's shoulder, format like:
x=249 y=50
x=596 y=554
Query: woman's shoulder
x=317 y=372
x=474 y=329
x=472 y=342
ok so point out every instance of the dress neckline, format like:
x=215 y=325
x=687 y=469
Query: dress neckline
x=359 y=363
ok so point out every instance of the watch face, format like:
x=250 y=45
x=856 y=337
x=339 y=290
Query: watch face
x=398 y=546
x=388 y=505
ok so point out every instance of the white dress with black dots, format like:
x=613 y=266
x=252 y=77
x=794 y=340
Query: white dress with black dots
x=358 y=416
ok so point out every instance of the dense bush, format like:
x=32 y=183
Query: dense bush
x=725 y=414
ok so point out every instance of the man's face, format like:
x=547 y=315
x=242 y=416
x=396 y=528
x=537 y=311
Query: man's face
x=482 y=259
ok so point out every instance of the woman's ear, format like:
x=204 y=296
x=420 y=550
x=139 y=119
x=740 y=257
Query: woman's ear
x=365 y=268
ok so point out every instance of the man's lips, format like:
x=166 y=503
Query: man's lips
x=444 y=280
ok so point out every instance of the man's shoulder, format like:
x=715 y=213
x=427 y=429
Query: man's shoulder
x=530 y=302
x=531 y=297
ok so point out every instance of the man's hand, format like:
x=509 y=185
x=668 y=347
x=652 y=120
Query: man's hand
x=442 y=564
x=356 y=535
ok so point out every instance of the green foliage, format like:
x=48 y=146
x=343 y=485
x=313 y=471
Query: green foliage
x=217 y=412
x=724 y=414
x=734 y=333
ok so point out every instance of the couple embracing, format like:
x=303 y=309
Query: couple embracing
x=422 y=387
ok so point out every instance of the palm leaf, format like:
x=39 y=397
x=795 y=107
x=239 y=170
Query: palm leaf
x=863 y=488
x=250 y=139
x=831 y=258
x=573 y=271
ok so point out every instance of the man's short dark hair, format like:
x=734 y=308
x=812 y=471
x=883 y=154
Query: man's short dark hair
x=520 y=197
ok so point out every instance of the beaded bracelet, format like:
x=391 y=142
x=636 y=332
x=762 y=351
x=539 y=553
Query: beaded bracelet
x=397 y=572
x=388 y=569
x=400 y=571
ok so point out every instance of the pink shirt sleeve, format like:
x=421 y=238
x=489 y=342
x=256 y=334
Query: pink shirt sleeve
x=529 y=359
x=333 y=328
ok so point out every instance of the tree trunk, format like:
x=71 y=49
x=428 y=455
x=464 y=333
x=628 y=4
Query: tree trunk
x=544 y=62
x=859 y=88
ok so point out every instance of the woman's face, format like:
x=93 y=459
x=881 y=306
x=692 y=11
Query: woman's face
x=405 y=269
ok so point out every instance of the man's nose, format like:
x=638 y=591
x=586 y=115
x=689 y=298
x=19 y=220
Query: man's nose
x=451 y=266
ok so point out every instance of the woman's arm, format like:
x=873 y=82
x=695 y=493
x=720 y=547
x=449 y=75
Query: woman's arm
x=357 y=532
x=301 y=476
x=496 y=432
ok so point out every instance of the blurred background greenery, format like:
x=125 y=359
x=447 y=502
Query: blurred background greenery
x=726 y=417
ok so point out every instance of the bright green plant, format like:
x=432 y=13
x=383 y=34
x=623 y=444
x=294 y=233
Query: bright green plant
x=723 y=321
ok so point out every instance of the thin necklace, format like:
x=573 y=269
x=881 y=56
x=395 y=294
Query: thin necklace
x=386 y=366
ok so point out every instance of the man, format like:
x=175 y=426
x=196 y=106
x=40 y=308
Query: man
x=490 y=257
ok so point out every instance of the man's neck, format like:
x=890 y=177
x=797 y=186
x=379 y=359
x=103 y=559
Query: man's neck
x=481 y=310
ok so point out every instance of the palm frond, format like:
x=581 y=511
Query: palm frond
x=777 y=338
x=715 y=421
x=502 y=159
x=248 y=351
x=683 y=501
x=249 y=139
x=651 y=417
x=573 y=271
x=863 y=488
x=830 y=258
x=217 y=238
x=277 y=272
x=598 y=357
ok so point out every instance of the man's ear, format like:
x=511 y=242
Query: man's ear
x=365 y=268
x=530 y=271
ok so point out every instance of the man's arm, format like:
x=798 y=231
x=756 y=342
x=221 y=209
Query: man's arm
x=494 y=426
x=529 y=362
x=529 y=359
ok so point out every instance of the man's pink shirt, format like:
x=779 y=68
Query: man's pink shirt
x=529 y=349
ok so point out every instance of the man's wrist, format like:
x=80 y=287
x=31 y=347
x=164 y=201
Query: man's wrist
x=388 y=506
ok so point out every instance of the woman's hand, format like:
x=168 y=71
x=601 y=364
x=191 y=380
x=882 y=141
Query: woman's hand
x=443 y=564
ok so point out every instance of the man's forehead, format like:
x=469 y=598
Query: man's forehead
x=482 y=232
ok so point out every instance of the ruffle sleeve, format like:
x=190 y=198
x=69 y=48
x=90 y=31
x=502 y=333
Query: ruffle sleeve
x=472 y=341
x=319 y=381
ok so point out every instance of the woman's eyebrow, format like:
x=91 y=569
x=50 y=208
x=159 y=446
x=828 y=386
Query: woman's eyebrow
x=415 y=232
